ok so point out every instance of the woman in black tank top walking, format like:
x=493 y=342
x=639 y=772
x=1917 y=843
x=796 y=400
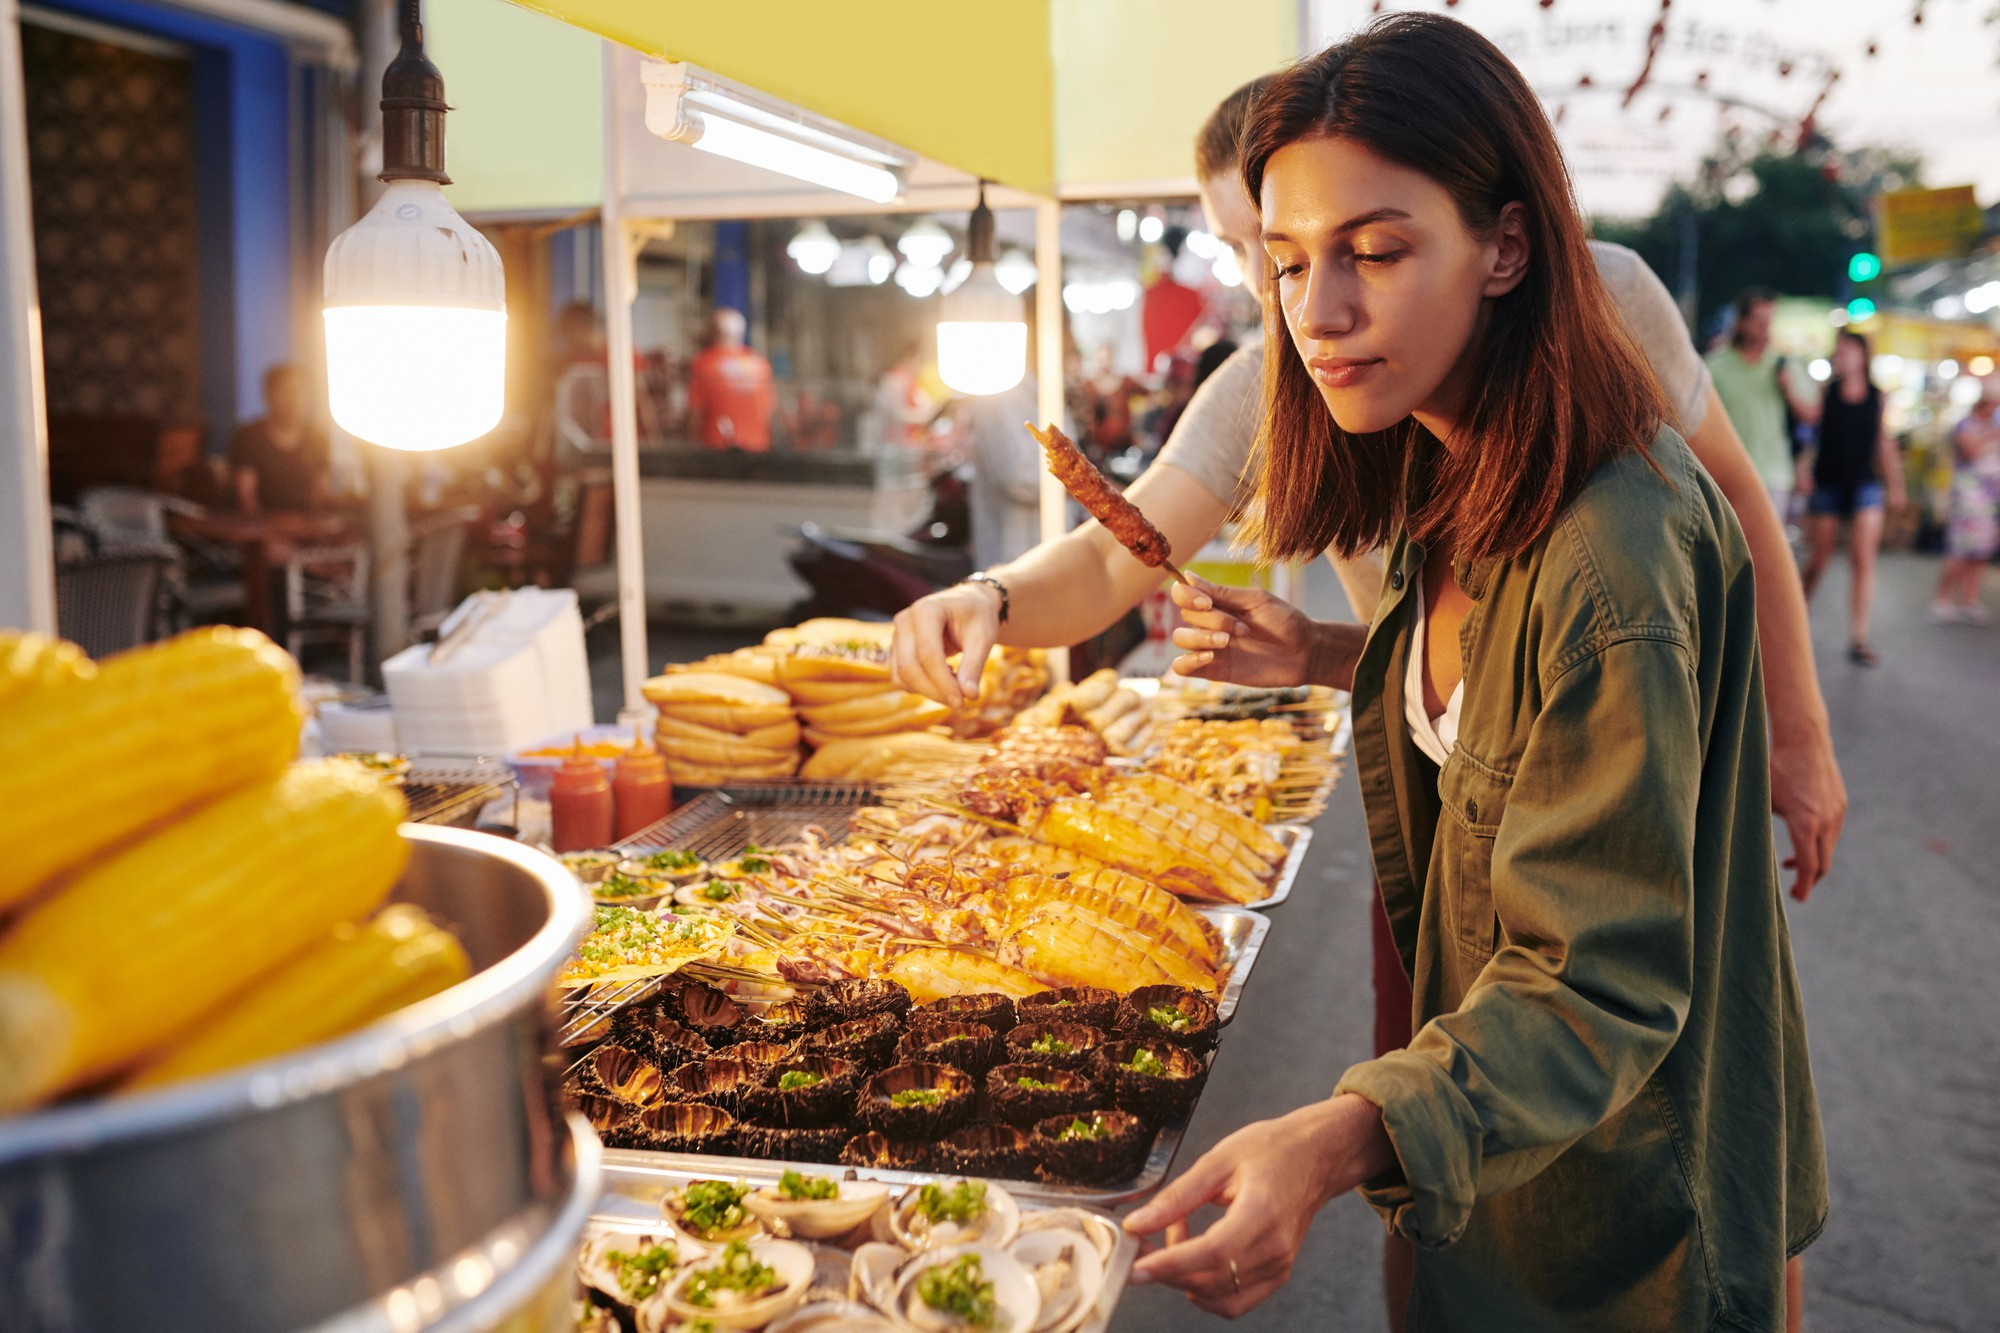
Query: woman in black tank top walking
x=1853 y=470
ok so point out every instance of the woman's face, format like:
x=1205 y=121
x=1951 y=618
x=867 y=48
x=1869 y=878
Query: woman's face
x=1848 y=358
x=1380 y=282
x=1232 y=219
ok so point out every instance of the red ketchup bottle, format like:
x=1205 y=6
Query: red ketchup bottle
x=580 y=804
x=644 y=790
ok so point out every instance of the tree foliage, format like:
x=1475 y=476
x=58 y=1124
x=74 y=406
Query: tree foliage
x=1786 y=221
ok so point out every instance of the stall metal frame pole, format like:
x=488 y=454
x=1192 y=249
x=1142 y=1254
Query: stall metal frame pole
x=620 y=290
x=27 y=555
x=1049 y=375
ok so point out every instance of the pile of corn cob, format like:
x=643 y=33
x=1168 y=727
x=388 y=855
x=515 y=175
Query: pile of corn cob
x=177 y=895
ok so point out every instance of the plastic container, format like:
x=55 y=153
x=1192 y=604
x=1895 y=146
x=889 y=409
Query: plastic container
x=535 y=771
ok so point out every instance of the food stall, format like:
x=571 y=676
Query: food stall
x=285 y=1052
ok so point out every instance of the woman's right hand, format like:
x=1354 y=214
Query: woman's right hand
x=964 y=619
x=1245 y=636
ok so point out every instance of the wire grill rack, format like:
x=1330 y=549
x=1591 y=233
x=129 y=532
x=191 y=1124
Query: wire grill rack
x=720 y=825
x=453 y=792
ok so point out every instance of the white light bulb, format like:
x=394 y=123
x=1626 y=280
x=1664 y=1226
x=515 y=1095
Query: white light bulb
x=1820 y=369
x=1947 y=369
x=1128 y=225
x=960 y=270
x=1016 y=271
x=814 y=248
x=416 y=324
x=1227 y=271
x=1151 y=229
x=1202 y=245
x=925 y=244
x=919 y=280
x=982 y=336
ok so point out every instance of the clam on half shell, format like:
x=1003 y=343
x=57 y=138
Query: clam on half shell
x=872 y=1276
x=791 y=1262
x=818 y=1219
x=1102 y=1232
x=703 y=1245
x=1016 y=1299
x=996 y=1227
x=595 y=1268
x=1067 y=1273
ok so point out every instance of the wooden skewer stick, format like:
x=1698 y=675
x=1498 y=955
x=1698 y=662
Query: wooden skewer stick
x=1175 y=570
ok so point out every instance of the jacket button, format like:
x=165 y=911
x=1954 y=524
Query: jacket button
x=1396 y=580
x=1472 y=811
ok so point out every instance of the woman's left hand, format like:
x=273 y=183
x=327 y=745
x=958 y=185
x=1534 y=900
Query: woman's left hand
x=1274 y=1178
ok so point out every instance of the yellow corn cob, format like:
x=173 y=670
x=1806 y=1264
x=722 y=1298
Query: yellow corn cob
x=88 y=759
x=31 y=662
x=138 y=948
x=1234 y=822
x=355 y=975
x=1151 y=853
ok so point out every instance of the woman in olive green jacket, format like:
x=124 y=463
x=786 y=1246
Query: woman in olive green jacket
x=1606 y=1117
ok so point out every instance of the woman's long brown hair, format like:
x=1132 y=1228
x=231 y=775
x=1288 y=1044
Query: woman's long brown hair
x=1560 y=387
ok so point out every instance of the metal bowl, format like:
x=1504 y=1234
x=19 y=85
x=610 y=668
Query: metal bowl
x=406 y=1177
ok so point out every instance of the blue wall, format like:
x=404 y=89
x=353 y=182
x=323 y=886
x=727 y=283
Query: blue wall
x=243 y=172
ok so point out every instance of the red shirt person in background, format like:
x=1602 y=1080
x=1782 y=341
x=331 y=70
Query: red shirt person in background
x=731 y=394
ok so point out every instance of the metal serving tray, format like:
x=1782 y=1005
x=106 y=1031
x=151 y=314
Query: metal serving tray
x=1296 y=837
x=1243 y=935
x=634 y=1189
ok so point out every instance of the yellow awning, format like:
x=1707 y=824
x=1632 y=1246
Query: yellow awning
x=969 y=85
x=1084 y=98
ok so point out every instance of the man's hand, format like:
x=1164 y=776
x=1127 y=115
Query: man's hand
x=1808 y=794
x=1247 y=637
x=1273 y=1177
x=965 y=620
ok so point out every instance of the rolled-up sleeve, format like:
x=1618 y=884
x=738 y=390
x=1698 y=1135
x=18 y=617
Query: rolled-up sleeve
x=1592 y=883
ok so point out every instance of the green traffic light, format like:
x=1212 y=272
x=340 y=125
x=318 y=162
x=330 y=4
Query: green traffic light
x=1860 y=308
x=1864 y=266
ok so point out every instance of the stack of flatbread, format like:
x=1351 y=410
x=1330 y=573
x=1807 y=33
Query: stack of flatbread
x=844 y=691
x=717 y=728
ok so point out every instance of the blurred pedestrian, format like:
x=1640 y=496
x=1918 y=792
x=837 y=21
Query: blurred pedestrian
x=1006 y=474
x=1756 y=389
x=1972 y=531
x=1853 y=469
x=731 y=391
x=281 y=461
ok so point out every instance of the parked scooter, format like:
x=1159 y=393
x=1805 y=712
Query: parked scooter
x=873 y=575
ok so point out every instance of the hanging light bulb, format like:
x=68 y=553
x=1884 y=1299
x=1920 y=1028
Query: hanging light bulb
x=983 y=338
x=1227 y=271
x=416 y=302
x=813 y=248
x=1015 y=270
x=925 y=244
x=955 y=276
x=1151 y=228
x=918 y=280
